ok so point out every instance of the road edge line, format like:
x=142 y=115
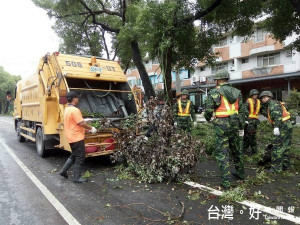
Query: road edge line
x=255 y=205
x=7 y=122
x=66 y=215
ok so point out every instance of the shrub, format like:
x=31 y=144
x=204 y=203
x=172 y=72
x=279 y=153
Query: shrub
x=205 y=133
x=293 y=101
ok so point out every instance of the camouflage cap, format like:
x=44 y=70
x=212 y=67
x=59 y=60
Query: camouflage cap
x=184 y=92
x=222 y=74
x=254 y=92
x=266 y=93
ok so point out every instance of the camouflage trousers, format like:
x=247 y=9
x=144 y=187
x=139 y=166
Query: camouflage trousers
x=280 y=156
x=184 y=123
x=249 y=139
x=227 y=139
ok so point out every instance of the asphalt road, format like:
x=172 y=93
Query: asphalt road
x=106 y=199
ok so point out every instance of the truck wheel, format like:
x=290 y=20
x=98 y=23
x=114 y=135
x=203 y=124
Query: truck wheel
x=40 y=142
x=19 y=136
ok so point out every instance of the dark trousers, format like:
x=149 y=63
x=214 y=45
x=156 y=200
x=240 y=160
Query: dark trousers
x=78 y=152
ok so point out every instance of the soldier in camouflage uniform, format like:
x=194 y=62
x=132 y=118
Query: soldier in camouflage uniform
x=252 y=108
x=184 y=112
x=225 y=102
x=278 y=115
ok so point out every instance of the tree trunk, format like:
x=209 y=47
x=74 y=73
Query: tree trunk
x=168 y=76
x=138 y=62
x=126 y=67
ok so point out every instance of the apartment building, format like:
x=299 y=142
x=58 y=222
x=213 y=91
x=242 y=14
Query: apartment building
x=156 y=78
x=258 y=62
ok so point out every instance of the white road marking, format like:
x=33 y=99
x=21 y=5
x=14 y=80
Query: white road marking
x=67 y=216
x=260 y=207
x=7 y=122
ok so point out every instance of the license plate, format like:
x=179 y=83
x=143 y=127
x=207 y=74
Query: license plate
x=95 y=69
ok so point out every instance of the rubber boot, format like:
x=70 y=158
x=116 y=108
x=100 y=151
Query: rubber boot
x=77 y=175
x=65 y=168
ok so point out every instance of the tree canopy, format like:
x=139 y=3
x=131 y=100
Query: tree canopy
x=7 y=83
x=284 y=20
x=108 y=16
x=178 y=33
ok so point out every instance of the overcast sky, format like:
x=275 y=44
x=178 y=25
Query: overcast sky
x=26 y=35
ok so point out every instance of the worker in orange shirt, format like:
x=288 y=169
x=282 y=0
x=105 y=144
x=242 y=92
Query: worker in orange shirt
x=75 y=128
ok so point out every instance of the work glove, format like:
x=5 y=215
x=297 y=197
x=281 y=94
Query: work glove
x=246 y=122
x=241 y=133
x=93 y=130
x=276 y=131
x=175 y=124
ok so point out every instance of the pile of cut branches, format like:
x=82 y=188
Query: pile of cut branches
x=169 y=154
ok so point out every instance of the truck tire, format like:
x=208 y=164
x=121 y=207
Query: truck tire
x=19 y=136
x=40 y=142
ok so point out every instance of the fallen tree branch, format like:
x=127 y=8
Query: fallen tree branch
x=169 y=218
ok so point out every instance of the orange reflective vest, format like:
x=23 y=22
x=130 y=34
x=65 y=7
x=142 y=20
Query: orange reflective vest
x=226 y=109
x=253 y=113
x=186 y=111
x=285 y=114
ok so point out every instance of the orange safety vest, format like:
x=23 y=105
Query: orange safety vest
x=226 y=109
x=186 y=111
x=285 y=114
x=253 y=113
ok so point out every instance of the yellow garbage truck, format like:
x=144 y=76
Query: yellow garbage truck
x=40 y=101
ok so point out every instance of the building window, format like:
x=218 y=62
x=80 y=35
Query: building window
x=218 y=67
x=139 y=82
x=148 y=64
x=155 y=61
x=128 y=71
x=245 y=60
x=153 y=79
x=222 y=43
x=184 y=74
x=132 y=82
x=160 y=78
x=289 y=53
x=289 y=56
x=259 y=36
x=268 y=60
